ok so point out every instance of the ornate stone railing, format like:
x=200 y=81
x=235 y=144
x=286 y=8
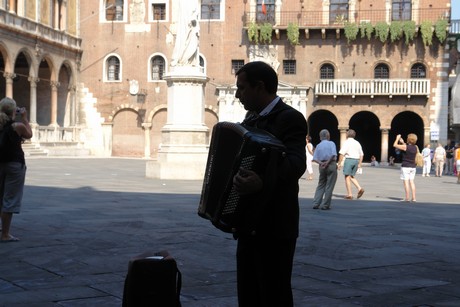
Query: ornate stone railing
x=49 y=134
x=35 y=29
x=373 y=87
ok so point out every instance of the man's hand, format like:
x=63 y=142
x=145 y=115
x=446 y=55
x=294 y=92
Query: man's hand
x=247 y=182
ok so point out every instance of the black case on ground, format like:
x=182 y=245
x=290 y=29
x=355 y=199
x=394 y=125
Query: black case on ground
x=153 y=279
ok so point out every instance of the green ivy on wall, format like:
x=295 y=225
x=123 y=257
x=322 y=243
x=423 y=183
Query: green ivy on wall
x=253 y=32
x=382 y=31
x=440 y=29
x=427 y=32
x=396 y=31
x=366 y=29
x=293 y=33
x=409 y=29
x=266 y=30
x=351 y=31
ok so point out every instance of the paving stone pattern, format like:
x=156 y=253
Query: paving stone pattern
x=83 y=219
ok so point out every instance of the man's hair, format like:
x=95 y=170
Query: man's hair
x=411 y=138
x=324 y=134
x=8 y=106
x=260 y=71
x=351 y=133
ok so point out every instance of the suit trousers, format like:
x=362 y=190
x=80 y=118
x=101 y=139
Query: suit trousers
x=326 y=184
x=264 y=268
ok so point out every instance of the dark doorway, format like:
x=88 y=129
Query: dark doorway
x=320 y=120
x=367 y=127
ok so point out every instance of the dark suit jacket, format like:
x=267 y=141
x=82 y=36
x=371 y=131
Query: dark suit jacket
x=280 y=214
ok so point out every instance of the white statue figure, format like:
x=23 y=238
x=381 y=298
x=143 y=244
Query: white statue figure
x=185 y=51
x=137 y=9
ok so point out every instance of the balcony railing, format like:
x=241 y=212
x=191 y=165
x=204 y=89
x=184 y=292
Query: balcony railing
x=321 y=19
x=373 y=87
x=35 y=29
x=454 y=27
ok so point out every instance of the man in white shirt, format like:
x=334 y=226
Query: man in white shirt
x=353 y=154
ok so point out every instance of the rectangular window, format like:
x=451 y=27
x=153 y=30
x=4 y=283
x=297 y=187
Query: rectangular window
x=265 y=11
x=338 y=11
x=114 y=10
x=210 y=9
x=236 y=65
x=289 y=67
x=159 y=11
x=401 y=10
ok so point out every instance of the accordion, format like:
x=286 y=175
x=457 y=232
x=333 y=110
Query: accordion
x=234 y=146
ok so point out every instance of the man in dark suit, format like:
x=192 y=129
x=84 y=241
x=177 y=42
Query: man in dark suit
x=267 y=237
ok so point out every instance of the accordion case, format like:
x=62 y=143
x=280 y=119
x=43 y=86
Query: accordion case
x=234 y=146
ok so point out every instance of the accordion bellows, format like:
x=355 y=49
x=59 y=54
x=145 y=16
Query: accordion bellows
x=234 y=146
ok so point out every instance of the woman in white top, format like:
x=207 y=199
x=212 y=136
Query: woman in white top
x=426 y=153
x=309 y=150
x=439 y=159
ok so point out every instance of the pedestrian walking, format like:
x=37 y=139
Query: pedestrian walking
x=351 y=154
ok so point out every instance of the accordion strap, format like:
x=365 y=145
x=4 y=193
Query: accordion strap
x=270 y=178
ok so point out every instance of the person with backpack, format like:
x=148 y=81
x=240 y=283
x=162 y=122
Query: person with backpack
x=12 y=163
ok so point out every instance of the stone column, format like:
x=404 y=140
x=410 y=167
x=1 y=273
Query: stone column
x=384 y=146
x=33 y=100
x=63 y=19
x=54 y=97
x=12 y=6
x=9 y=83
x=147 y=127
x=343 y=135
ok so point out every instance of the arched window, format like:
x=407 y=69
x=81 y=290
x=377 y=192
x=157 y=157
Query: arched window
x=327 y=72
x=113 y=68
x=418 y=71
x=382 y=71
x=157 y=67
x=401 y=10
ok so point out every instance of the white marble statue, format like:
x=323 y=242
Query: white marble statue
x=185 y=51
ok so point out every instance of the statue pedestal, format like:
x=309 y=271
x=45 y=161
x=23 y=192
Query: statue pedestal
x=184 y=148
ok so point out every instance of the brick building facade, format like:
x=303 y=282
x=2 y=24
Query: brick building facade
x=337 y=77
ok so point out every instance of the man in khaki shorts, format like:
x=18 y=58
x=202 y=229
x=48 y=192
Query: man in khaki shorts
x=353 y=154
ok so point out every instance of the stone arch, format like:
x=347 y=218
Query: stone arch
x=127 y=131
x=323 y=119
x=5 y=67
x=157 y=118
x=120 y=108
x=367 y=126
x=23 y=65
x=66 y=96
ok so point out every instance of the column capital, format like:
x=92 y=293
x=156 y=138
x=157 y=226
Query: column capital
x=9 y=75
x=54 y=84
x=385 y=129
x=343 y=129
x=33 y=80
x=146 y=125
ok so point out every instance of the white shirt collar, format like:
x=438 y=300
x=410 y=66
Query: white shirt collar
x=270 y=107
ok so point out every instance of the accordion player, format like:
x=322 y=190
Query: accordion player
x=234 y=146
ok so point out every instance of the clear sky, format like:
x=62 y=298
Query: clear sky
x=455 y=9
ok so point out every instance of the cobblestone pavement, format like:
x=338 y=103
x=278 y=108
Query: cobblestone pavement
x=83 y=219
